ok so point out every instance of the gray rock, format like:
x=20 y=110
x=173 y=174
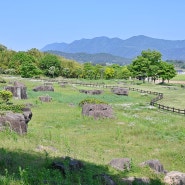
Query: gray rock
x=44 y=88
x=121 y=164
x=16 y=122
x=154 y=164
x=27 y=114
x=92 y=92
x=175 y=178
x=97 y=110
x=45 y=98
x=104 y=179
x=136 y=180
x=18 y=90
x=67 y=165
x=120 y=91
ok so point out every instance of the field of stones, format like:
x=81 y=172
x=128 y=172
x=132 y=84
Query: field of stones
x=76 y=132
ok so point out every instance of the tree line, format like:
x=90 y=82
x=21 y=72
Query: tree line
x=34 y=63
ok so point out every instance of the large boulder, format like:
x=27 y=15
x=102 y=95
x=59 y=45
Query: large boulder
x=44 y=88
x=92 y=92
x=16 y=122
x=175 y=178
x=120 y=91
x=45 y=98
x=121 y=164
x=27 y=114
x=97 y=110
x=18 y=90
x=67 y=164
x=136 y=180
x=155 y=165
x=104 y=179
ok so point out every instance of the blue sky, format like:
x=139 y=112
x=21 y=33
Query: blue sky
x=27 y=24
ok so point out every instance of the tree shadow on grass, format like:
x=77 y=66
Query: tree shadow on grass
x=22 y=168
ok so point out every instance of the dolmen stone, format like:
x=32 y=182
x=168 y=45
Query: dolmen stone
x=45 y=98
x=136 y=180
x=18 y=90
x=104 y=179
x=155 y=165
x=43 y=88
x=48 y=83
x=27 y=114
x=120 y=91
x=121 y=164
x=67 y=164
x=97 y=110
x=92 y=92
x=175 y=178
x=16 y=122
x=62 y=85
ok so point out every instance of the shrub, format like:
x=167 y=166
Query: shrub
x=5 y=95
x=92 y=101
x=13 y=108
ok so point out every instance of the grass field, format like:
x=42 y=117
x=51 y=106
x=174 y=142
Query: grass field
x=137 y=131
x=179 y=77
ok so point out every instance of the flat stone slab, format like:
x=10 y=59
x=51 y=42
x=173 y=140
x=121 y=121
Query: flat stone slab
x=97 y=110
x=120 y=91
x=121 y=164
x=175 y=178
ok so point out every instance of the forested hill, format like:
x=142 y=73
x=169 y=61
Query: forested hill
x=129 y=48
x=99 y=58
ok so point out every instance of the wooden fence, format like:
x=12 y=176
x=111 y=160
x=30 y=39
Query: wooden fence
x=153 y=102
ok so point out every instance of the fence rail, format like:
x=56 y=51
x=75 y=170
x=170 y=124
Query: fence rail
x=152 y=102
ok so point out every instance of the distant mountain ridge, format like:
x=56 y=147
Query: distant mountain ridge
x=99 y=58
x=129 y=48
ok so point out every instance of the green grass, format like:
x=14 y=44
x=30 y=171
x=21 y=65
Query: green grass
x=58 y=129
x=179 y=77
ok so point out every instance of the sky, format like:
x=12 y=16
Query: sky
x=27 y=24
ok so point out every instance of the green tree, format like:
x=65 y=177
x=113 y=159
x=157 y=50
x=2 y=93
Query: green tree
x=98 y=71
x=88 y=71
x=2 y=48
x=109 y=72
x=139 y=67
x=48 y=61
x=124 y=73
x=18 y=59
x=117 y=70
x=5 y=58
x=166 y=71
x=146 y=65
x=29 y=70
x=66 y=72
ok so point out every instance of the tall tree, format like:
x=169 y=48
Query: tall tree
x=49 y=61
x=29 y=69
x=146 y=65
x=166 y=71
x=18 y=59
x=109 y=72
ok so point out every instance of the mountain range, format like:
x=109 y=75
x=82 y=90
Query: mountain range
x=128 y=49
x=98 y=58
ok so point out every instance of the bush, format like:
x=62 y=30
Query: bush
x=13 y=108
x=91 y=101
x=5 y=95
